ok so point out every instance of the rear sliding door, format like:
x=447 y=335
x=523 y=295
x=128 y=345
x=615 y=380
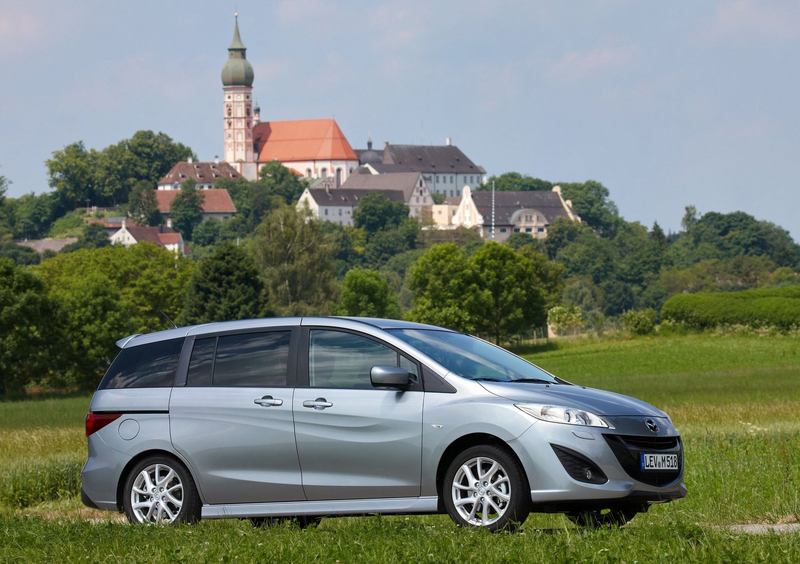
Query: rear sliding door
x=233 y=418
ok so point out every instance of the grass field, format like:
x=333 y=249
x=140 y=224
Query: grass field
x=736 y=401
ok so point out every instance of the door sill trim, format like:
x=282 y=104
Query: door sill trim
x=401 y=505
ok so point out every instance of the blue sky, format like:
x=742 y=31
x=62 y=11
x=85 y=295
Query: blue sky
x=668 y=104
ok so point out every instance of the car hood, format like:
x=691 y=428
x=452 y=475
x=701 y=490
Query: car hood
x=599 y=402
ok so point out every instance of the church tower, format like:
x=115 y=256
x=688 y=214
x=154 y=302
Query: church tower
x=237 y=86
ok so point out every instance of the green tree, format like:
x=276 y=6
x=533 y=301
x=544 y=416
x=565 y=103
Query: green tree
x=143 y=205
x=71 y=172
x=225 y=287
x=295 y=258
x=145 y=157
x=590 y=201
x=365 y=293
x=565 y=320
x=375 y=212
x=20 y=254
x=187 y=209
x=549 y=275
x=148 y=278
x=511 y=300
x=32 y=214
x=437 y=197
x=94 y=317
x=281 y=181
x=28 y=329
x=207 y=233
x=514 y=181
x=444 y=287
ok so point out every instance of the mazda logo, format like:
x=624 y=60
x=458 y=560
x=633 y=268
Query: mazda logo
x=651 y=425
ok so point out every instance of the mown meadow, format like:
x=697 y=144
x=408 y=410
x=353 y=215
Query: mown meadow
x=736 y=400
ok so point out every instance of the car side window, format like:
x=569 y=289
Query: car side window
x=343 y=360
x=144 y=366
x=255 y=360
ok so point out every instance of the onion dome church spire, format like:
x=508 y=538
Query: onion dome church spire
x=237 y=70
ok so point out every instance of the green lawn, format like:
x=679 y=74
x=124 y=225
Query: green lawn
x=736 y=401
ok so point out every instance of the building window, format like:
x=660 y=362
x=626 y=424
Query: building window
x=451 y=180
x=436 y=179
x=338 y=177
x=308 y=173
x=516 y=230
x=324 y=173
x=540 y=230
x=528 y=230
x=326 y=211
x=502 y=230
x=417 y=199
x=340 y=211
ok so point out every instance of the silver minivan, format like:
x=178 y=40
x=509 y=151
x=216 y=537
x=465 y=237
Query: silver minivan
x=302 y=418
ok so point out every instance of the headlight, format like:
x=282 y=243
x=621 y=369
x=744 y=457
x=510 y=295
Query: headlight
x=561 y=414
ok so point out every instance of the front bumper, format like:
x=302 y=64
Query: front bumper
x=553 y=489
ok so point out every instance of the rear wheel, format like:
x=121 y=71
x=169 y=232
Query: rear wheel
x=600 y=518
x=485 y=487
x=159 y=489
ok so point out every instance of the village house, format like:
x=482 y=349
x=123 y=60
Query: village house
x=528 y=212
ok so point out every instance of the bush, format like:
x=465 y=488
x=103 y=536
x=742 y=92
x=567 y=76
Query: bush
x=771 y=307
x=27 y=483
x=565 y=319
x=639 y=321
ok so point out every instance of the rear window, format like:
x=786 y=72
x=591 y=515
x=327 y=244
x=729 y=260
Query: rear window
x=256 y=360
x=144 y=366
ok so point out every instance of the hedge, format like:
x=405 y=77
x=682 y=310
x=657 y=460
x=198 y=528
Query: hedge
x=771 y=307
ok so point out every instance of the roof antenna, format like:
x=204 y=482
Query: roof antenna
x=168 y=319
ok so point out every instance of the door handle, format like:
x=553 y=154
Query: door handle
x=318 y=404
x=267 y=401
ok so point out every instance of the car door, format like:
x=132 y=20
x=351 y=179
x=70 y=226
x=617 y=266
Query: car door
x=233 y=418
x=355 y=441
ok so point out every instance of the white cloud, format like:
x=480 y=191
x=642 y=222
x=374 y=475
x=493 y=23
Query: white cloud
x=577 y=66
x=756 y=19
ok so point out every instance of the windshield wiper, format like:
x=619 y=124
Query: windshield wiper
x=534 y=380
x=491 y=380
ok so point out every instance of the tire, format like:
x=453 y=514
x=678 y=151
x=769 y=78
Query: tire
x=159 y=489
x=500 y=485
x=605 y=518
x=300 y=521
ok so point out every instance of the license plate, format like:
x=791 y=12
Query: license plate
x=652 y=461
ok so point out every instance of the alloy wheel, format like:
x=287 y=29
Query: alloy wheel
x=157 y=495
x=481 y=491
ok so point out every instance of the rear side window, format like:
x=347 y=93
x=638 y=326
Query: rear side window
x=255 y=360
x=144 y=366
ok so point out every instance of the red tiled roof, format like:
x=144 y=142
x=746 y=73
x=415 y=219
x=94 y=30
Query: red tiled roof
x=302 y=140
x=217 y=200
x=201 y=172
x=166 y=236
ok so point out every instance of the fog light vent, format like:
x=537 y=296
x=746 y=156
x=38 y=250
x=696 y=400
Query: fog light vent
x=579 y=467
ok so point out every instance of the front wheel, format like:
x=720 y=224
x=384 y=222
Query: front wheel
x=159 y=489
x=485 y=487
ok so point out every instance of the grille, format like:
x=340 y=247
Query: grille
x=628 y=448
x=576 y=466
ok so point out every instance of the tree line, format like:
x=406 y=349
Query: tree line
x=60 y=314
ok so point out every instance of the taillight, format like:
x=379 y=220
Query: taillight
x=96 y=421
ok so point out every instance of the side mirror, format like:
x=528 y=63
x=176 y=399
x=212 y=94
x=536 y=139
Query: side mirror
x=389 y=377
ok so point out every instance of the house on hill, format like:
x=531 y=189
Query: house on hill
x=412 y=184
x=217 y=203
x=445 y=168
x=528 y=212
x=203 y=173
x=337 y=204
x=162 y=236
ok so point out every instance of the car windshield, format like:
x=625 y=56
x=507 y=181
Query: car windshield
x=472 y=358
